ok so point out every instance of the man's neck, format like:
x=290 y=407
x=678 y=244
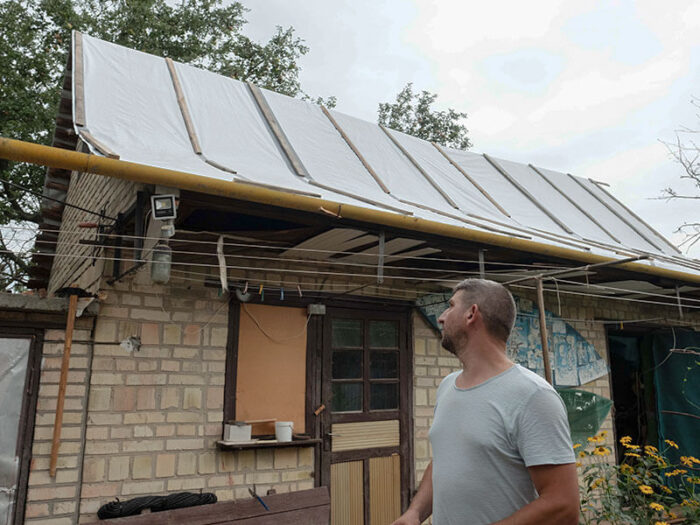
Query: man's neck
x=481 y=360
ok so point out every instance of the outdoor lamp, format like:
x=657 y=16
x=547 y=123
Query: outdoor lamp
x=161 y=257
x=163 y=207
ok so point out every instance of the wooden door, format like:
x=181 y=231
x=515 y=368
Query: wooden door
x=366 y=427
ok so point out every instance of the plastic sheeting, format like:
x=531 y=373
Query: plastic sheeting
x=14 y=355
x=131 y=107
x=586 y=412
x=466 y=196
x=323 y=151
x=515 y=203
x=554 y=201
x=626 y=235
x=676 y=378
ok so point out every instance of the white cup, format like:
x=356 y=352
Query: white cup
x=283 y=430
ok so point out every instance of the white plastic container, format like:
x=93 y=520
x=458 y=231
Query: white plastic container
x=283 y=430
x=237 y=433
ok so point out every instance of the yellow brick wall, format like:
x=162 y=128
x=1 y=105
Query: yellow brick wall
x=72 y=262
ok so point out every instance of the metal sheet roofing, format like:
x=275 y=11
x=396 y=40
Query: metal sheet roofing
x=149 y=110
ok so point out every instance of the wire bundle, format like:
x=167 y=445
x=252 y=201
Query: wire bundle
x=179 y=500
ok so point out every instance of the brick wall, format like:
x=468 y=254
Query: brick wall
x=97 y=193
x=54 y=501
x=154 y=415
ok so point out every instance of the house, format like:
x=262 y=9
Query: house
x=309 y=254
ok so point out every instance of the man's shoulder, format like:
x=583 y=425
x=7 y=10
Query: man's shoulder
x=524 y=383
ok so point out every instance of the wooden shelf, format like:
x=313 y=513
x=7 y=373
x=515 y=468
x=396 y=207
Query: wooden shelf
x=223 y=445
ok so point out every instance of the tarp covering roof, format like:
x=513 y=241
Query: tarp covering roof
x=153 y=111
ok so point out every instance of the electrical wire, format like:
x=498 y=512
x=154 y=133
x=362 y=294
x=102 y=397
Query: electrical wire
x=292 y=248
x=354 y=275
x=42 y=196
x=271 y=338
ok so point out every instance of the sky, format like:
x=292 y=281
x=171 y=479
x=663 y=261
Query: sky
x=587 y=88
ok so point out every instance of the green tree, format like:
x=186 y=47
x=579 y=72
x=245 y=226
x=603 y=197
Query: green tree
x=412 y=113
x=34 y=43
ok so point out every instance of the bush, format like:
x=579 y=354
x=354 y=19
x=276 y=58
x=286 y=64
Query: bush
x=645 y=489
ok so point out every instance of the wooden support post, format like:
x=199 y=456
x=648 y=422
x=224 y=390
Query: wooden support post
x=543 y=332
x=70 y=323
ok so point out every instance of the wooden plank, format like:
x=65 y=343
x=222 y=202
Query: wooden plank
x=355 y=150
x=371 y=255
x=335 y=240
x=347 y=499
x=78 y=81
x=277 y=131
x=369 y=434
x=384 y=489
x=360 y=198
x=543 y=332
x=189 y=125
x=58 y=422
x=233 y=511
x=471 y=179
x=314 y=516
x=98 y=145
x=420 y=168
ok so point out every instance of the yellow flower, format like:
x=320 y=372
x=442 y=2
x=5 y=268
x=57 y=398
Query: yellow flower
x=656 y=506
x=632 y=454
x=577 y=445
x=601 y=451
x=604 y=433
x=694 y=460
x=666 y=489
x=660 y=523
x=578 y=464
x=582 y=454
x=694 y=479
x=675 y=472
x=646 y=489
x=626 y=440
x=687 y=461
x=649 y=450
x=671 y=443
x=597 y=483
x=689 y=503
x=626 y=469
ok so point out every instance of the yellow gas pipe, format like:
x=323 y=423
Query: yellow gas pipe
x=72 y=160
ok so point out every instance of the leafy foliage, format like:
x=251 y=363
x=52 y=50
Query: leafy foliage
x=34 y=43
x=686 y=151
x=646 y=489
x=412 y=114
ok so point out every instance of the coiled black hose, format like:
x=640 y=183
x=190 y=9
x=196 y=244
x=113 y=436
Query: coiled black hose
x=179 y=500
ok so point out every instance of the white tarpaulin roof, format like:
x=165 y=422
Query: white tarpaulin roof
x=150 y=111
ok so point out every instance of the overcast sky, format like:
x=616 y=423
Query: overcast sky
x=587 y=88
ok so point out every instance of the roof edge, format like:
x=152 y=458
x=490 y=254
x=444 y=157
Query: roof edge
x=85 y=162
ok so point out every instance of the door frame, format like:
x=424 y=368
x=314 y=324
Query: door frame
x=25 y=431
x=404 y=413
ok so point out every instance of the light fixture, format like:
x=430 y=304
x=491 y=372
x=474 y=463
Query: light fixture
x=163 y=207
x=161 y=258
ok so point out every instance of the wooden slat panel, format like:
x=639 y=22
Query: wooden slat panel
x=347 y=507
x=384 y=489
x=367 y=434
x=371 y=255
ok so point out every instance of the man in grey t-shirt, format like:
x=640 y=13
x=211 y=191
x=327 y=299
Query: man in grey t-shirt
x=502 y=451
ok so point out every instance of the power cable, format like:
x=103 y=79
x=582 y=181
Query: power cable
x=42 y=196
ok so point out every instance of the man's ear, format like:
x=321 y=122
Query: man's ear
x=471 y=312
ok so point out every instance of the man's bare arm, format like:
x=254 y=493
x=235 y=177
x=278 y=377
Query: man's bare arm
x=558 y=501
x=422 y=505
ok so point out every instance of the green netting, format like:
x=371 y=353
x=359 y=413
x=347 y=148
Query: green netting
x=586 y=412
x=677 y=379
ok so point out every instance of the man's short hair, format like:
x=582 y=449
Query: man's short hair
x=495 y=303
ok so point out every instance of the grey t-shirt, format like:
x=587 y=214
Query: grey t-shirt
x=485 y=437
